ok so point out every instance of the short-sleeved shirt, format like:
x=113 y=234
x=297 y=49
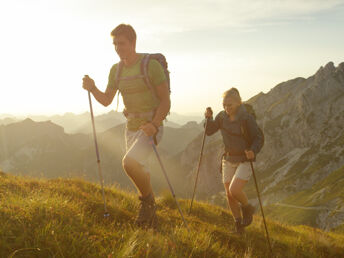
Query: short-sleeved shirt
x=137 y=96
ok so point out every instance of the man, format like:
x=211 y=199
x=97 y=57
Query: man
x=145 y=110
x=236 y=170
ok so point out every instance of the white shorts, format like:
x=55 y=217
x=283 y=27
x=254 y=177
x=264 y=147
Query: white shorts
x=139 y=146
x=231 y=171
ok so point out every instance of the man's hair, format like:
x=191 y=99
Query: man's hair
x=124 y=30
x=232 y=92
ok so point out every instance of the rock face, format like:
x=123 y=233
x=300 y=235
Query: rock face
x=303 y=123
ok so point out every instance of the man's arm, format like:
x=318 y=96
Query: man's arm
x=104 y=98
x=163 y=95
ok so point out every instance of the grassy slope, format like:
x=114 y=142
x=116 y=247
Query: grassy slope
x=323 y=192
x=64 y=218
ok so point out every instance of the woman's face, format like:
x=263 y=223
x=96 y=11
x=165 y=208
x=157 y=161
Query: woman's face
x=231 y=105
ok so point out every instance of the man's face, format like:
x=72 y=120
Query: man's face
x=231 y=105
x=123 y=47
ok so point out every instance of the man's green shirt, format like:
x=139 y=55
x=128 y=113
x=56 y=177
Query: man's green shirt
x=137 y=96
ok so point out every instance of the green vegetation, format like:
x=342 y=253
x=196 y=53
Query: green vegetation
x=334 y=183
x=250 y=188
x=64 y=218
x=319 y=196
x=302 y=170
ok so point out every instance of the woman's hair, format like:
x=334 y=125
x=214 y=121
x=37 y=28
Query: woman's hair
x=232 y=92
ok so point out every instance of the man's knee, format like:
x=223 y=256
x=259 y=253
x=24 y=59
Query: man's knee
x=129 y=163
x=233 y=191
x=228 y=193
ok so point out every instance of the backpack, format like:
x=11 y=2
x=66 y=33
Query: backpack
x=244 y=129
x=144 y=72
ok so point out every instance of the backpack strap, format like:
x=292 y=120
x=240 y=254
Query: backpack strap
x=144 y=72
x=118 y=73
x=245 y=133
x=117 y=79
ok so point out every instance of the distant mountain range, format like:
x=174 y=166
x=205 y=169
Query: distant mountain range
x=81 y=123
x=300 y=169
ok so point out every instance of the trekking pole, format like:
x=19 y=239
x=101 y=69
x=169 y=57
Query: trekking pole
x=106 y=213
x=199 y=164
x=168 y=181
x=261 y=207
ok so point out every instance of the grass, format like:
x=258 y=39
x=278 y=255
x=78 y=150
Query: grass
x=320 y=195
x=64 y=218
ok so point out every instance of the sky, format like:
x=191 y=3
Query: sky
x=47 y=46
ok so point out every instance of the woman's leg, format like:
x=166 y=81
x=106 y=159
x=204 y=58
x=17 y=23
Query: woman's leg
x=232 y=203
x=236 y=190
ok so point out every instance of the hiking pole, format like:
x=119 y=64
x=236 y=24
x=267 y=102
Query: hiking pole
x=168 y=181
x=106 y=213
x=199 y=164
x=261 y=207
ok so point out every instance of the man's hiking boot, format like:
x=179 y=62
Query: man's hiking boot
x=239 y=228
x=147 y=216
x=247 y=212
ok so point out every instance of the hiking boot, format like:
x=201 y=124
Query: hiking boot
x=147 y=216
x=247 y=212
x=239 y=228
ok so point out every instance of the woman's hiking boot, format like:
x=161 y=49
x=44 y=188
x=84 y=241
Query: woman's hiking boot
x=147 y=216
x=239 y=228
x=247 y=214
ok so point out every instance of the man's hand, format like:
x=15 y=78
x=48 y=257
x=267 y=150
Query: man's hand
x=88 y=83
x=208 y=113
x=249 y=154
x=149 y=129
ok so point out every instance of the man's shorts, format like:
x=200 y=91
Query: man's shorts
x=139 y=146
x=230 y=171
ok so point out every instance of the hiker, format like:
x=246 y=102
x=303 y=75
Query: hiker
x=236 y=170
x=145 y=110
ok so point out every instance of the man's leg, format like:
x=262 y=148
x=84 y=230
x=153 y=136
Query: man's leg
x=138 y=151
x=138 y=175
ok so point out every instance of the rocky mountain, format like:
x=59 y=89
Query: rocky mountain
x=303 y=123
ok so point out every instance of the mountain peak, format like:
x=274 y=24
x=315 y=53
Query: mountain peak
x=340 y=67
x=326 y=70
x=28 y=121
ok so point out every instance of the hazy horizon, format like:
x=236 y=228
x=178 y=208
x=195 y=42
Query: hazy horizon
x=47 y=47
